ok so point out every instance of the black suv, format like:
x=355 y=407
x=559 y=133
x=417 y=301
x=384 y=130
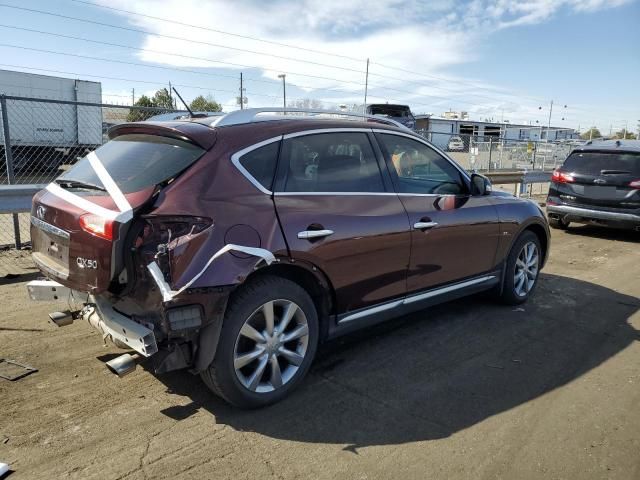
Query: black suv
x=599 y=183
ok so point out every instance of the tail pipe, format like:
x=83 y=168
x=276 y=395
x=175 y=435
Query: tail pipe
x=124 y=364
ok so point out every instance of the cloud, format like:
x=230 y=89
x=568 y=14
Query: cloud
x=413 y=35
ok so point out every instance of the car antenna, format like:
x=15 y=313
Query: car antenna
x=191 y=115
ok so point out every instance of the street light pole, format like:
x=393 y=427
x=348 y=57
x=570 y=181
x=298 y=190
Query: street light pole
x=284 y=92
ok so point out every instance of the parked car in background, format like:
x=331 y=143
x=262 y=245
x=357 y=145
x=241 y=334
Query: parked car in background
x=599 y=183
x=232 y=246
x=456 y=144
x=399 y=113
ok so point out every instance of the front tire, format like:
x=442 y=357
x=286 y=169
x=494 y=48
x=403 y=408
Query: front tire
x=522 y=269
x=268 y=340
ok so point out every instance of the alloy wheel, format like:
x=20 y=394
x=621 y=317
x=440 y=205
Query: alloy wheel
x=271 y=346
x=526 y=270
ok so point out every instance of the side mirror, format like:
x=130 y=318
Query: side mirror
x=480 y=185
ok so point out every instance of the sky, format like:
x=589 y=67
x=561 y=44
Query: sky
x=496 y=59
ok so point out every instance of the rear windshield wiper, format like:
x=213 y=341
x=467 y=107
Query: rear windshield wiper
x=64 y=183
x=614 y=172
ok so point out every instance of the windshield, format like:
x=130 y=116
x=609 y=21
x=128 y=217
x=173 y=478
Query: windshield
x=593 y=163
x=136 y=162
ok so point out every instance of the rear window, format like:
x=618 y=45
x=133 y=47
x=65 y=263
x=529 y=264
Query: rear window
x=395 y=111
x=592 y=163
x=136 y=162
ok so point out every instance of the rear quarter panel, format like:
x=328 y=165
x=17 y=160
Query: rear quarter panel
x=241 y=214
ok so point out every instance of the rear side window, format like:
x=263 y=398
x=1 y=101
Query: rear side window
x=593 y=163
x=261 y=163
x=136 y=162
x=332 y=162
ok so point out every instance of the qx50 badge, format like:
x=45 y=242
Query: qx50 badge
x=86 y=263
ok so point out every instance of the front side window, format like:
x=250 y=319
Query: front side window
x=331 y=162
x=419 y=168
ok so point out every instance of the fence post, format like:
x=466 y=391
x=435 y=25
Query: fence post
x=533 y=160
x=490 y=148
x=8 y=156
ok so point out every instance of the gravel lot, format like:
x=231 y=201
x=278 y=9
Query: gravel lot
x=465 y=390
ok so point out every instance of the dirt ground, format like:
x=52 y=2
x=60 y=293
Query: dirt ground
x=465 y=390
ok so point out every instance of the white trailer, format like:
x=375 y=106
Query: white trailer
x=48 y=130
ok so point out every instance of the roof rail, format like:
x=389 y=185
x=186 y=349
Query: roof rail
x=249 y=115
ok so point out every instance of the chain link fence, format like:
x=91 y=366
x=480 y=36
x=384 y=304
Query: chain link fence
x=487 y=153
x=39 y=140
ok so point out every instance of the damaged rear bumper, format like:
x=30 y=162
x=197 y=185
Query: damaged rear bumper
x=99 y=313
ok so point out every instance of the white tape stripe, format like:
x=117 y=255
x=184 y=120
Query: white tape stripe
x=78 y=201
x=109 y=184
x=168 y=293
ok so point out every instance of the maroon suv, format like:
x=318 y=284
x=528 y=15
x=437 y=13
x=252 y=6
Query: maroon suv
x=233 y=245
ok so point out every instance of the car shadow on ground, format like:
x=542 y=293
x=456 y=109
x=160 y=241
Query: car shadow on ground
x=433 y=373
x=605 y=233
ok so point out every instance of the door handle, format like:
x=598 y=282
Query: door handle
x=424 y=225
x=309 y=234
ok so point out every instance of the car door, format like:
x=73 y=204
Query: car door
x=454 y=235
x=340 y=213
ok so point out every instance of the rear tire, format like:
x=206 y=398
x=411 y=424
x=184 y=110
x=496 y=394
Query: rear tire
x=268 y=340
x=558 y=224
x=522 y=269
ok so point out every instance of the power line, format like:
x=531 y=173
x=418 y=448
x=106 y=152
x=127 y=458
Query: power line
x=222 y=32
x=245 y=50
x=158 y=84
x=172 y=37
x=203 y=59
x=257 y=39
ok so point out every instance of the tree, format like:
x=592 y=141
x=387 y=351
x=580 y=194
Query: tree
x=162 y=99
x=136 y=115
x=205 y=104
x=307 y=103
x=593 y=132
x=627 y=135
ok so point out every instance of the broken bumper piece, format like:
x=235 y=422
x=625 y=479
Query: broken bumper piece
x=99 y=313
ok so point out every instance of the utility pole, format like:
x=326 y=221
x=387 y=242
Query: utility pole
x=241 y=93
x=366 y=89
x=133 y=96
x=549 y=122
x=170 y=95
x=284 y=92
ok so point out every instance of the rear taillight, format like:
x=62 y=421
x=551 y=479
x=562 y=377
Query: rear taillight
x=562 y=177
x=635 y=184
x=97 y=225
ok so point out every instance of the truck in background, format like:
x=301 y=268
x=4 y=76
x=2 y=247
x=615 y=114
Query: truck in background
x=45 y=132
x=400 y=113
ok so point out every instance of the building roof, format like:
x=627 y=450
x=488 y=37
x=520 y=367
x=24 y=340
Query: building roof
x=611 y=145
x=480 y=122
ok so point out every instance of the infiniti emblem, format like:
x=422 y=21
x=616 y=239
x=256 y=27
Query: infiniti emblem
x=40 y=212
x=599 y=181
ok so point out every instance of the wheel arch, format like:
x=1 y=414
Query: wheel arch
x=543 y=238
x=311 y=279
